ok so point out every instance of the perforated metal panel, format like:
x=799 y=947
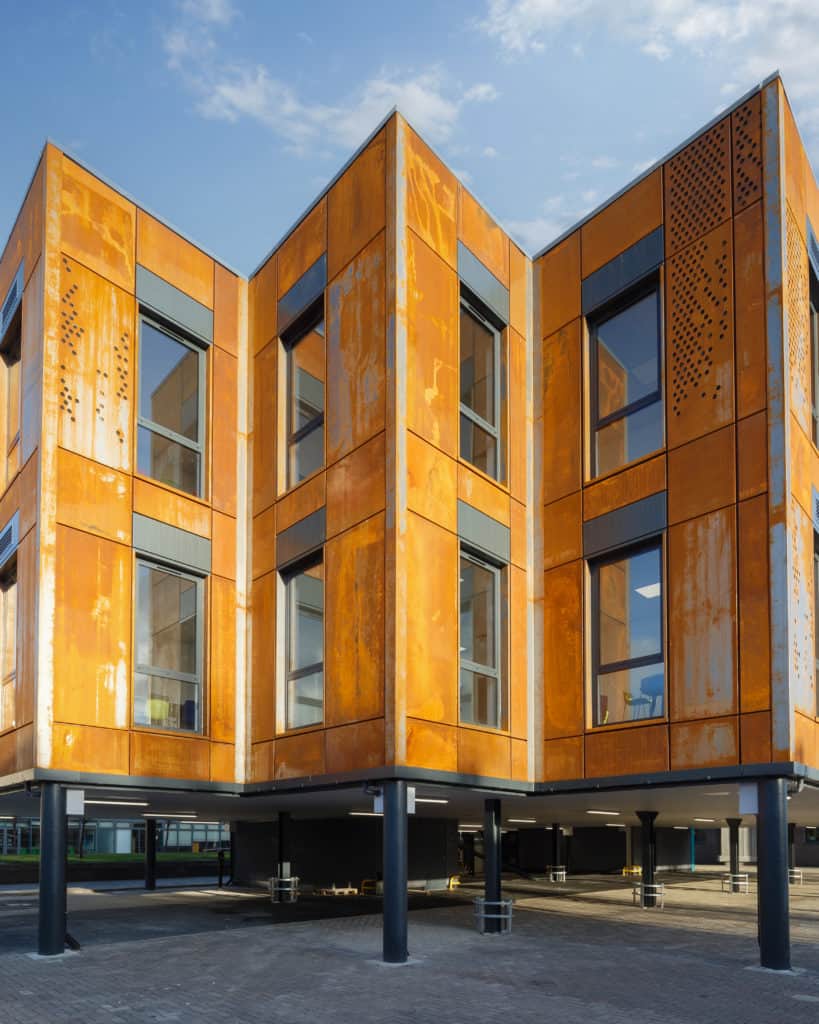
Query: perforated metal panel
x=70 y=335
x=797 y=299
x=746 y=139
x=698 y=188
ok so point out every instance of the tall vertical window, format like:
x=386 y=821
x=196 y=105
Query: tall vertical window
x=304 y=653
x=814 y=353
x=11 y=331
x=171 y=408
x=480 y=373
x=305 y=399
x=481 y=689
x=627 y=407
x=8 y=644
x=627 y=622
x=169 y=641
x=816 y=620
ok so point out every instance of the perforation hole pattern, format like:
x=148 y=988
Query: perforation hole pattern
x=797 y=299
x=71 y=333
x=699 y=303
x=698 y=188
x=746 y=136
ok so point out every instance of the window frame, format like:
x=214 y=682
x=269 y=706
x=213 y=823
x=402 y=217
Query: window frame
x=11 y=352
x=816 y=623
x=472 y=307
x=651 y=284
x=287 y=576
x=813 y=330
x=599 y=668
x=197 y=678
x=9 y=577
x=466 y=664
x=197 y=446
x=290 y=339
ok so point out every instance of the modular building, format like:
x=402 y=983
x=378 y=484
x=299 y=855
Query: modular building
x=410 y=514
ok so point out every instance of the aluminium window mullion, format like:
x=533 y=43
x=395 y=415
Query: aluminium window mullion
x=167 y=673
x=479 y=420
x=314 y=424
x=628 y=410
x=170 y=435
x=306 y=670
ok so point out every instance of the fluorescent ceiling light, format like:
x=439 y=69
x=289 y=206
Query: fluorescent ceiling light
x=6 y=817
x=680 y=828
x=705 y=819
x=430 y=800
x=610 y=814
x=188 y=815
x=521 y=821
x=651 y=590
x=722 y=792
x=614 y=824
x=365 y=814
x=198 y=822
x=119 y=803
x=470 y=826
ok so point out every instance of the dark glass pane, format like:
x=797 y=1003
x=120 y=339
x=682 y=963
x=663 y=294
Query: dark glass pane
x=630 y=695
x=479 y=699
x=306 y=608
x=167 y=461
x=627 y=356
x=629 y=438
x=630 y=607
x=166 y=621
x=307 y=378
x=478 y=614
x=305 y=700
x=478 y=367
x=168 y=382
x=479 y=447
x=165 y=703
x=306 y=455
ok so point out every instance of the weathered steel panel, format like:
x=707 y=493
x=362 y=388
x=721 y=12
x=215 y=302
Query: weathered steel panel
x=559 y=277
x=482 y=236
x=563 y=651
x=702 y=476
x=357 y=208
x=631 y=216
x=431 y=197
x=562 y=414
x=302 y=247
x=174 y=259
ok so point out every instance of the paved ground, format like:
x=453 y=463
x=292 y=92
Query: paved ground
x=578 y=953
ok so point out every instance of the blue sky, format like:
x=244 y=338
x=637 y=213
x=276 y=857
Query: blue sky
x=227 y=117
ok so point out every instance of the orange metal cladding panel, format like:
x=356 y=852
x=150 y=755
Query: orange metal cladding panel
x=432 y=483
x=518 y=286
x=357 y=208
x=26 y=240
x=517 y=416
x=559 y=277
x=264 y=542
x=476 y=490
x=27 y=572
x=224 y=546
x=797 y=306
x=25 y=487
x=562 y=413
x=754 y=615
x=356 y=486
x=356 y=352
x=804 y=741
x=355 y=748
x=264 y=428
x=629 y=218
x=563 y=650
x=17 y=750
x=263 y=762
x=432 y=746
x=223 y=431
x=226 y=310
x=752 y=455
x=92 y=630
x=749 y=287
x=432 y=621
x=700 y=333
x=31 y=358
x=263 y=658
x=482 y=236
x=97 y=226
x=431 y=191
x=698 y=188
x=518 y=539
x=172 y=507
x=625 y=487
x=432 y=347
x=170 y=757
x=562 y=531
x=705 y=744
x=702 y=569
x=222 y=667
x=755 y=738
x=261 y=301
x=802 y=544
x=563 y=759
x=518 y=681
x=302 y=501
x=746 y=146
x=175 y=260
x=794 y=164
x=484 y=753
x=520 y=760
x=300 y=755
x=97 y=357
x=804 y=468
x=222 y=762
x=303 y=247
x=83 y=748
x=701 y=475
x=627 y=751
x=354 y=624
x=93 y=498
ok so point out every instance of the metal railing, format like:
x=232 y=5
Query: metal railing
x=493 y=910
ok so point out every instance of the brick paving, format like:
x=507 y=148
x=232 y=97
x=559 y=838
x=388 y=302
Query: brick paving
x=577 y=953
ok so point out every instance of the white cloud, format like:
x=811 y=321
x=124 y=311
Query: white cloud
x=604 y=163
x=643 y=165
x=214 y=12
x=490 y=152
x=556 y=214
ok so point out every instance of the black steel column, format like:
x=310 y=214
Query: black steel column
x=52 y=925
x=791 y=845
x=733 y=850
x=648 y=854
x=284 y=869
x=556 y=861
x=772 y=855
x=492 y=861
x=395 y=872
x=150 y=853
